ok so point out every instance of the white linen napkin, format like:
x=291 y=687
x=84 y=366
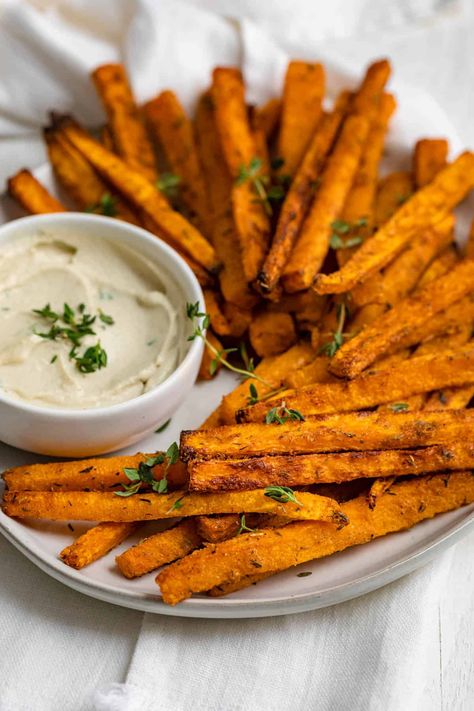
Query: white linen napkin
x=369 y=653
x=377 y=652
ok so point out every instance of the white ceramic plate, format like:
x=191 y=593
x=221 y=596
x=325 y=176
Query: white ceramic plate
x=340 y=577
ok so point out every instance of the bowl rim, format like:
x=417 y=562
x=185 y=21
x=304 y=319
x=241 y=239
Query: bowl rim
x=181 y=270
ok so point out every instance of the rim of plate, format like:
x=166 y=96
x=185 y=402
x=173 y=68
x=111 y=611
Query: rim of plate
x=208 y=607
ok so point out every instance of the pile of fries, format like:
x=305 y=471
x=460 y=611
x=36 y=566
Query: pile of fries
x=342 y=291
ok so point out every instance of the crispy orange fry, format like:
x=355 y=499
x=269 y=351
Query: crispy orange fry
x=430 y=156
x=95 y=543
x=174 y=131
x=273 y=370
x=443 y=263
x=125 y=123
x=306 y=469
x=378 y=489
x=219 y=322
x=32 y=196
x=395 y=327
x=272 y=333
x=358 y=210
x=369 y=95
x=238 y=144
x=357 y=431
x=450 y=398
x=299 y=196
x=97 y=506
x=144 y=195
x=427 y=207
x=270 y=550
x=230 y=111
x=303 y=93
x=314 y=372
x=80 y=180
x=415 y=375
x=392 y=191
x=106 y=138
x=313 y=242
x=98 y=474
x=159 y=549
x=219 y=186
x=213 y=529
x=267 y=116
x=403 y=274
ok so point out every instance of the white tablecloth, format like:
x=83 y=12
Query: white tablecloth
x=408 y=646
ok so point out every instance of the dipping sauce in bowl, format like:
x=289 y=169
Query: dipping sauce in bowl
x=94 y=349
x=86 y=322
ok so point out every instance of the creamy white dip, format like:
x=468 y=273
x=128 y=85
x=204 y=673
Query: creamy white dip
x=144 y=345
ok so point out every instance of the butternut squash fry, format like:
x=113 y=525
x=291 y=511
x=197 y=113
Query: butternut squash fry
x=314 y=372
x=232 y=280
x=32 y=196
x=274 y=370
x=125 y=122
x=429 y=157
x=301 y=109
x=214 y=529
x=313 y=242
x=97 y=506
x=299 y=196
x=450 y=398
x=157 y=550
x=238 y=144
x=174 y=131
x=392 y=191
x=95 y=543
x=378 y=489
x=439 y=266
x=143 y=195
x=257 y=472
x=357 y=431
x=272 y=333
x=99 y=474
x=403 y=274
x=80 y=180
x=416 y=375
x=396 y=326
x=369 y=94
x=358 y=211
x=427 y=207
x=276 y=549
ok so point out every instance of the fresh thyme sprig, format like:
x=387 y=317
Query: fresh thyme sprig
x=201 y=321
x=73 y=327
x=399 y=406
x=337 y=340
x=282 y=494
x=341 y=237
x=168 y=184
x=265 y=191
x=243 y=526
x=143 y=474
x=282 y=414
x=107 y=206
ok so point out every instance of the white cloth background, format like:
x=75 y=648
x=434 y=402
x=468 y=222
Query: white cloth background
x=408 y=646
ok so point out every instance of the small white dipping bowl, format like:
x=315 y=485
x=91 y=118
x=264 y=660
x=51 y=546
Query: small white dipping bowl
x=67 y=432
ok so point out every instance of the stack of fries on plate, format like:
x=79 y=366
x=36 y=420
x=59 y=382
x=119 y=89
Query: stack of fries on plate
x=347 y=289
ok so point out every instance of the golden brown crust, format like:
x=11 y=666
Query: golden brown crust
x=273 y=550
